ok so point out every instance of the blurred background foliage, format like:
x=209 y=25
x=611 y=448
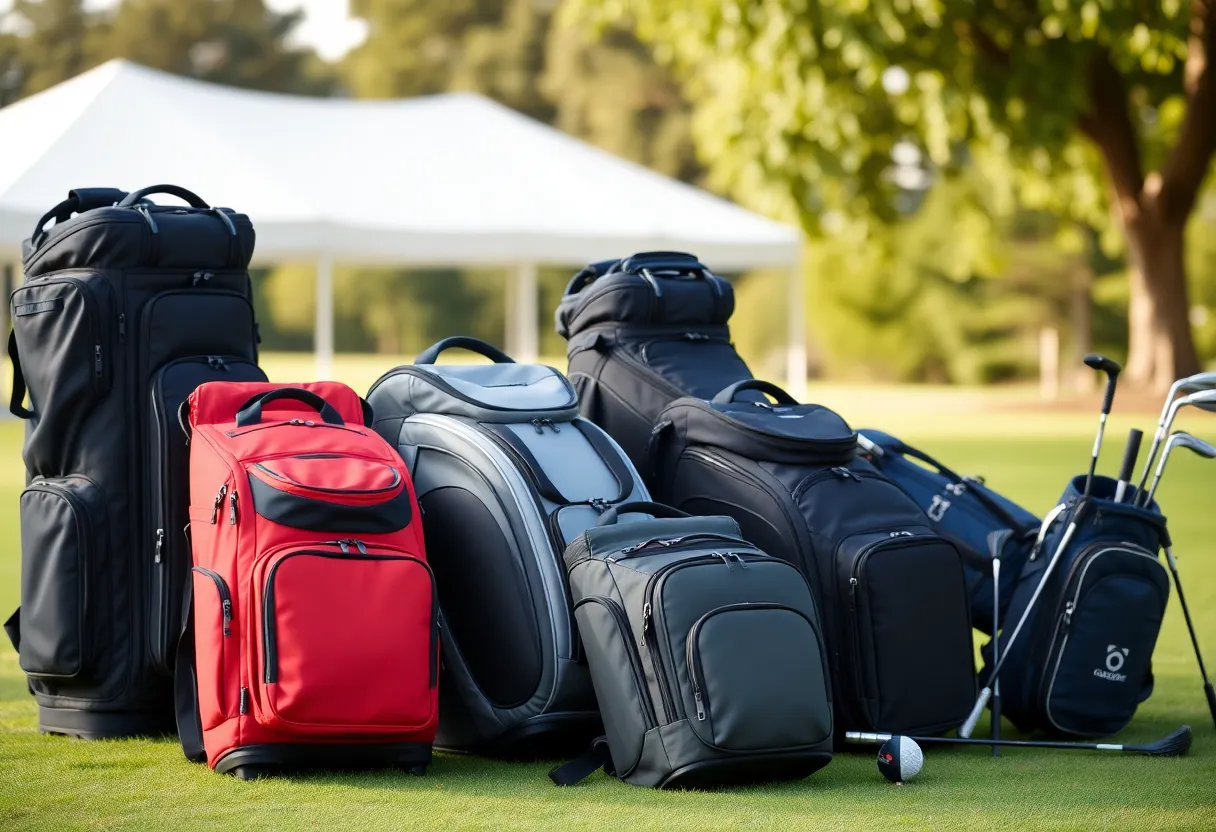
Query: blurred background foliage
x=939 y=247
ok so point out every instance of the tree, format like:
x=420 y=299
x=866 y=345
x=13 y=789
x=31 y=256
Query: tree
x=1103 y=111
x=239 y=43
x=54 y=40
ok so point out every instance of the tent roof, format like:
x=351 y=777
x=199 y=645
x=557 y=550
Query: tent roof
x=448 y=179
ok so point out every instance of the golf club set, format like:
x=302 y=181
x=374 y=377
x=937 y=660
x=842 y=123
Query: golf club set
x=654 y=563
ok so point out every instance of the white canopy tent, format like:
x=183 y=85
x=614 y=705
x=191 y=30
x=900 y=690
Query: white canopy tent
x=447 y=180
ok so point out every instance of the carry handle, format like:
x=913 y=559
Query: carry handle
x=640 y=507
x=251 y=411
x=79 y=200
x=463 y=342
x=728 y=395
x=192 y=198
x=16 y=404
x=664 y=261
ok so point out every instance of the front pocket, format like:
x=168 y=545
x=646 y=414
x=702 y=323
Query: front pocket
x=214 y=628
x=349 y=641
x=64 y=553
x=62 y=327
x=698 y=364
x=168 y=463
x=331 y=493
x=759 y=681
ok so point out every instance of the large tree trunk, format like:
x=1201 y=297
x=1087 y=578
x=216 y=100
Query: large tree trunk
x=1160 y=347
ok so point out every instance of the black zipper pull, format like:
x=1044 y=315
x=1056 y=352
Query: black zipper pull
x=97 y=360
x=219 y=501
x=537 y=424
x=599 y=504
x=160 y=543
x=1068 y=608
x=122 y=327
x=232 y=513
x=645 y=621
x=227 y=617
x=739 y=558
x=696 y=697
x=244 y=701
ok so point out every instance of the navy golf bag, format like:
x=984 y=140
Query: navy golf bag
x=963 y=509
x=1082 y=661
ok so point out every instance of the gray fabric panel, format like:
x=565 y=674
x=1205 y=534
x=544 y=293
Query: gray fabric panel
x=569 y=461
x=764 y=685
x=606 y=540
x=507 y=392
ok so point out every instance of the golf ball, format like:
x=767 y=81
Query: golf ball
x=900 y=759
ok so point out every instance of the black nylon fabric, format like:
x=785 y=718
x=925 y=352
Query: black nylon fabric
x=908 y=609
x=112 y=297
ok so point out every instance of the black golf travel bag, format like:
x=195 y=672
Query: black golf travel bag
x=707 y=655
x=891 y=590
x=1082 y=662
x=126 y=307
x=965 y=510
x=642 y=332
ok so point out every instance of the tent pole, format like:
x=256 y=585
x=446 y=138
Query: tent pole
x=523 y=332
x=323 y=336
x=795 y=354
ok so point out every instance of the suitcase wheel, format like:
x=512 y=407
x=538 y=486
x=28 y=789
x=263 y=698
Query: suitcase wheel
x=249 y=772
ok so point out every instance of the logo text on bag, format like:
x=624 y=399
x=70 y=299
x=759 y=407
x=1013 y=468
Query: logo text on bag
x=1115 y=657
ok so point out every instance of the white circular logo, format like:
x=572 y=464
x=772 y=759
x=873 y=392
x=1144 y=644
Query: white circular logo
x=1114 y=661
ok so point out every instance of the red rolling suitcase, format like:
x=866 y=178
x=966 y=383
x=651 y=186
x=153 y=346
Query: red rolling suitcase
x=314 y=622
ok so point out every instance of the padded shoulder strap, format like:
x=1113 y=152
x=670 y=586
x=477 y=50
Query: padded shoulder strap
x=185 y=685
x=583 y=766
x=15 y=403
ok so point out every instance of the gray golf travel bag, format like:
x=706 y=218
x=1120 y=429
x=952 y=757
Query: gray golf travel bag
x=506 y=473
x=707 y=655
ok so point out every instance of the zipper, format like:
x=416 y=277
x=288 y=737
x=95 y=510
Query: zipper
x=122 y=327
x=232 y=500
x=91 y=306
x=219 y=501
x=541 y=424
x=309 y=423
x=281 y=478
x=693 y=337
x=160 y=545
x=635 y=661
x=650 y=622
x=270 y=673
x=221 y=586
x=447 y=389
x=667 y=543
x=838 y=471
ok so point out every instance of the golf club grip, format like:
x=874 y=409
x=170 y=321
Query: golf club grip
x=1110 y=396
x=980 y=704
x=1130 y=454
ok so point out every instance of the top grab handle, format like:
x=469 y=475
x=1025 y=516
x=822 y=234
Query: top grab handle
x=250 y=412
x=654 y=261
x=728 y=395
x=463 y=342
x=133 y=198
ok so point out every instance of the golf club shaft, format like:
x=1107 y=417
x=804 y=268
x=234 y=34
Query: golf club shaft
x=1093 y=460
x=996 y=650
x=1148 y=462
x=986 y=693
x=1186 y=613
x=865 y=738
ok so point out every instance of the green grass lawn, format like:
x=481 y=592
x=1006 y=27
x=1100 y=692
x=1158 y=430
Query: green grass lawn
x=55 y=783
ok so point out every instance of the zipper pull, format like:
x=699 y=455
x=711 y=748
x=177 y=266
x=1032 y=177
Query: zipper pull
x=97 y=360
x=232 y=513
x=244 y=700
x=122 y=327
x=227 y=617
x=359 y=545
x=696 y=697
x=739 y=558
x=599 y=504
x=342 y=545
x=645 y=621
x=551 y=426
x=845 y=474
x=538 y=426
x=219 y=501
x=1068 y=608
x=725 y=558
x=160 y=543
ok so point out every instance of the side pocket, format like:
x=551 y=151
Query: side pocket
x=214 y=645
x=64 y=553
x=618 y=678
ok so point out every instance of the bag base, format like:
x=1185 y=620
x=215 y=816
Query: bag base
x=95 y=725
x=248 y=762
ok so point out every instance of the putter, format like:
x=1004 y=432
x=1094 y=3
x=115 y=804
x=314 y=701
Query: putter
x=1129 y=463
x=1191 y=384
x=1112 y=370
x=1175 y=745
x=986 y=694
x=1202 y=399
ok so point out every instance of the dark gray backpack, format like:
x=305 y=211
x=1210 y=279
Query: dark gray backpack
x=706 y=655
